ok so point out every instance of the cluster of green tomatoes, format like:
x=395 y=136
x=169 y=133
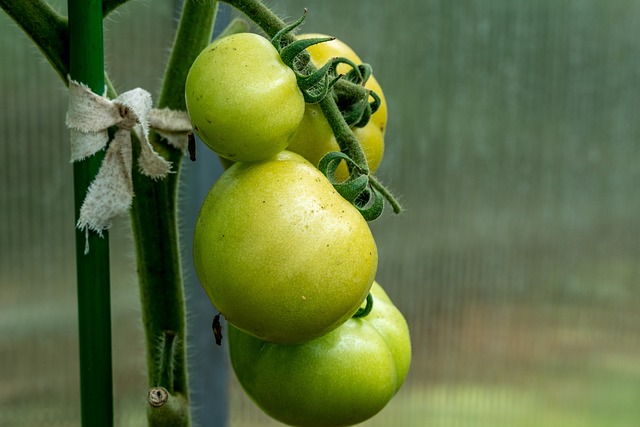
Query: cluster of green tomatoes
x=291 y=265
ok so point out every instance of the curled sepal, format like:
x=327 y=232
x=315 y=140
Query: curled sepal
x=277 y=40
x=361 y=113
x=316 y=93
x=353 y=102
x=363 y=311
x=357 y=113
x=357 y=189
x=375 y=104
x=354 y=74
x=370 y=203
x=353 y=98
x=329 y=163
x=359 y=74
x=290 y=52
x=315 y=86
x=353 y=187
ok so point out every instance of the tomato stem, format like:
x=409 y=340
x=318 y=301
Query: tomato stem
x=109 y=6
x=259 y=13
x=384 y=191
x=167 y=348
x=347 y=141
x=154 y=224
x=167 y=409
x=46 y=27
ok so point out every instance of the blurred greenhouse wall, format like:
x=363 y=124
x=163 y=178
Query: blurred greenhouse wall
x=514 y=142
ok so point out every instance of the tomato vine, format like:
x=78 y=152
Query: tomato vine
x=343 y=100
x=374 y=191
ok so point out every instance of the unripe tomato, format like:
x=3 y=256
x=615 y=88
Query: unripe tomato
x=314 y=137
x=280 y=253
x=243 y=101
x=339 y=379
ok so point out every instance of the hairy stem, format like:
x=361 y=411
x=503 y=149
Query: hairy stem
x=46 y=27
x=109 y=6
x=154 y=222
x=261 y=15
x=194 y=34
x=344 y=135
x=395 y=204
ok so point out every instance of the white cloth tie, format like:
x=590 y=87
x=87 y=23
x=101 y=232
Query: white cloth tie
x=88 y=118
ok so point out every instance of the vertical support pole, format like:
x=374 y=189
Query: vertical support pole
x=86 y=65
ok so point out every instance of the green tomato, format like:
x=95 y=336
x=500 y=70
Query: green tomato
x=340 y=379
x=243 y=101
x=280 y=253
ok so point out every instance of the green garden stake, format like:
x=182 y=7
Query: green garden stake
x=86 y=65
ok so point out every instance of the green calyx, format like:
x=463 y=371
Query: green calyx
x=314 y=84
x=352 y=97
x=357 y=189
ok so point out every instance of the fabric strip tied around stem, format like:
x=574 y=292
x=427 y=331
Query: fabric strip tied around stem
x=89 y=117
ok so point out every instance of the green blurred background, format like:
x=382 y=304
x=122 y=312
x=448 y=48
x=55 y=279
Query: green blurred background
x=513 y=141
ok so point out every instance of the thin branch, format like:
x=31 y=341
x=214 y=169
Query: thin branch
x=194 y=34
x=109 y=6
x=46 y=27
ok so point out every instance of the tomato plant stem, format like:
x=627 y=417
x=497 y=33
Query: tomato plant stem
x=194 y=34
x=46 y=27
x=109 y=6
x=86 y=64
x=395 y=204
x=259 y=13
x=154 y=222
x=344 y=136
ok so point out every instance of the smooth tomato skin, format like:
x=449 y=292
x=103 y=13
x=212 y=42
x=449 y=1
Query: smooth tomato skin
x=243 y=101
x=314 y=139
x=280 y=253
x=339 y=379
x=322 y=52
